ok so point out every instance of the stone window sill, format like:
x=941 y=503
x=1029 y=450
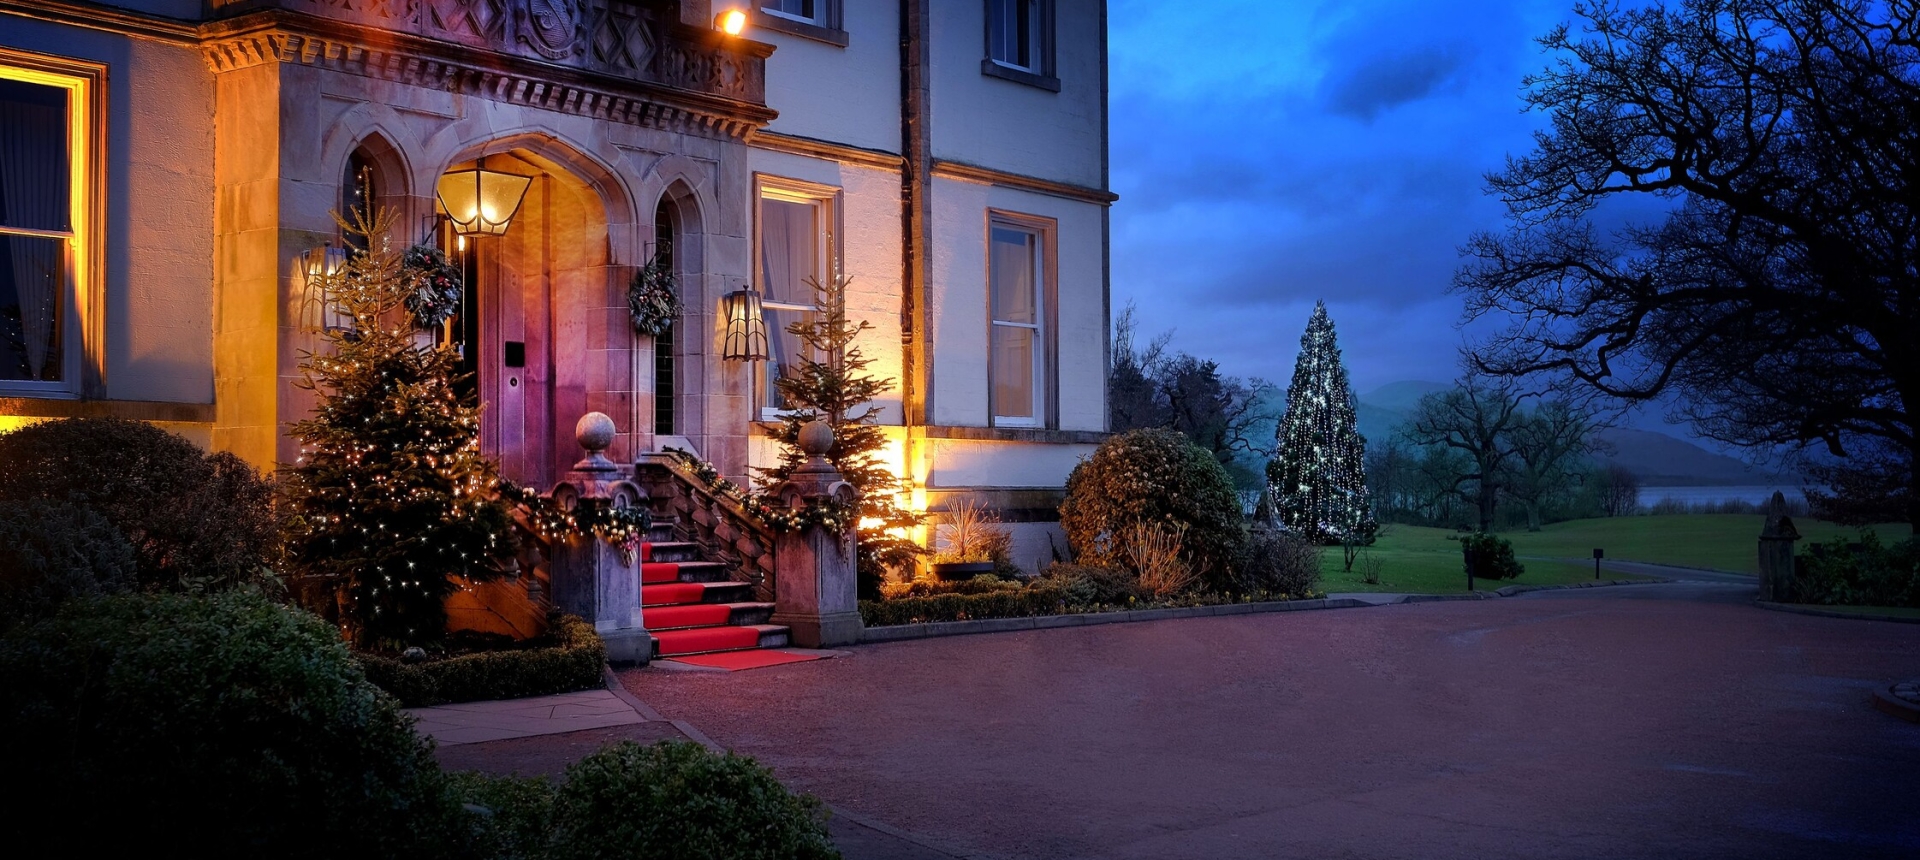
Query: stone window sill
x=830 y=35
x=994 y=70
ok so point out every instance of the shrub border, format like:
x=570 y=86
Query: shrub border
x=1821 y=611
x=575 y=663
x=930 y=630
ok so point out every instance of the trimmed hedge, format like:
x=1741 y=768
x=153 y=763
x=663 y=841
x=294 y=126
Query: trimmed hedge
x=572 y=663
x=1155 y=476
x=224 y=726
x=1489 y=557
x=53 y=552
x=1036 y=599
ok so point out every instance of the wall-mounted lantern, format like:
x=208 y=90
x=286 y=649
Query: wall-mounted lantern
x=320 y=308
x=746 y=326
x=482 y=202
x=730 y=22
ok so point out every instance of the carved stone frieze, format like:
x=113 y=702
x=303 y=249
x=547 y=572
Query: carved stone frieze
x=629 y=39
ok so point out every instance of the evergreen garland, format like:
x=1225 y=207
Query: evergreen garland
x=1317 y=481
x=828 y=514
x=391 y=497
x=828 y=380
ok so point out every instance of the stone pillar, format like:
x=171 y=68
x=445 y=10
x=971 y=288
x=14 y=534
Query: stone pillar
x=814 y=587
x=592 y=579
x=1776 y=552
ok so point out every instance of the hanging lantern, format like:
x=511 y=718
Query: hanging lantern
x=320 y=308
x=482 y=202
x=746 y=326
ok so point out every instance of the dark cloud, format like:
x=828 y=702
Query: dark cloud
x=1383 y=82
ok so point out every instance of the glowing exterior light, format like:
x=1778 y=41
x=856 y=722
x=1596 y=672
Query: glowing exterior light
x=482 y=202
x=730 y=22
x=746 y=326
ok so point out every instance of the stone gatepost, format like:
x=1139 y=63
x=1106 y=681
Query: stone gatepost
x=1776 y=552
x=591 y=578
x=814 y=585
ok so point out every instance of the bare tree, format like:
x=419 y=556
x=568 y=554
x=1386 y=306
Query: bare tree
x=1474 y=419
x=1779 y=294
x=1619 y=490
x=1550 y=444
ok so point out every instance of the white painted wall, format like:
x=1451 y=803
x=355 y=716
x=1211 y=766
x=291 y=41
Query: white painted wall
x=962 y=463
x=159 y=203
x=1010 y=126
x=959 y=271
x=848 y=95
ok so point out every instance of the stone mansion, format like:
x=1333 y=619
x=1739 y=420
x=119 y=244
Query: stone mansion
x=168 y=170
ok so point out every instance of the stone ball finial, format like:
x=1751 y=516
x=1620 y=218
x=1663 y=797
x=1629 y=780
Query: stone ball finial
x=816 y=438
x=594 y=432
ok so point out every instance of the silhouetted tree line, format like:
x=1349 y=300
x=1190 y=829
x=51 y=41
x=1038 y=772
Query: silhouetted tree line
x=1227 y=415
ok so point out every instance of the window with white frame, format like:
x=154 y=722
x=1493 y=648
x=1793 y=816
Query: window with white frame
x=1017 y=289
x=795 y=250
x=46 y=147
x=819 y=13
x=1020 y=35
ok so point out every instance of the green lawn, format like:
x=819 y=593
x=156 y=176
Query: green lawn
x=1717 y=541
x=1427 y=560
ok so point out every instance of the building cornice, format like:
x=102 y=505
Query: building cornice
x=107 y=19
x=792 y=145
x=987 y=175
x=135 y=410
x=291 y=37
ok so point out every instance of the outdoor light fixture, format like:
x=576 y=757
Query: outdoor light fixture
x=746 y=326
x=730 y=22
x=482 y=202
x=319 y=305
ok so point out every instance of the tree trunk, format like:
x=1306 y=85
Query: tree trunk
x=1487 y=498
x=1533 y=516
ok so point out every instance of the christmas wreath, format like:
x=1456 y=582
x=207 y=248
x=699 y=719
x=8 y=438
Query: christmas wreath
x=434 y=296
x=651 y=298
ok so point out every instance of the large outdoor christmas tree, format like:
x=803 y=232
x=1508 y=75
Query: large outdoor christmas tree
x=1317 y=481
x=391 y=496
x=830 y=381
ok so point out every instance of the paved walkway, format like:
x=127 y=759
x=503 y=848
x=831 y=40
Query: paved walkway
x=1656 y=721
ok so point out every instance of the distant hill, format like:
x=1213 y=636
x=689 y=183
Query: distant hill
x=1658 y=459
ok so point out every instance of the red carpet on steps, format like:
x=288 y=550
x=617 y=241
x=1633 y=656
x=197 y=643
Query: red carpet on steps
x=670 y=593
x=734 y=661
x=671 y=642
x=658 y=571
x=688 y=615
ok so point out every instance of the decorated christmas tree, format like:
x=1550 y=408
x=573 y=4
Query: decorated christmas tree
x=391 y=497
x=1317 y=481
x=830 y=381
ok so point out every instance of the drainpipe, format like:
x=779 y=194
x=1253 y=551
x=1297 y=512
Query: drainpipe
x=916 y=177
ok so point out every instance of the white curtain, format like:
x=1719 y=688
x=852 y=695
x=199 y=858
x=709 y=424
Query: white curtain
x=788 y=238
x=1013 y=302
x=33 y=194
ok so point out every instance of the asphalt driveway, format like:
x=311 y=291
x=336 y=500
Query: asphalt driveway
x=1658 y=721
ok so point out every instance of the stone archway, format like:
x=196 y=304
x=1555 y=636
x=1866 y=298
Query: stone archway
x=544 y=329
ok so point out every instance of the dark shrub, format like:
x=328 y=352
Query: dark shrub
x=1154 y=476
x=52 y=552
x=1489 y=557
x=1864 y=574
x=1040 y=598
x=194 y=519
x=571 y=661
x=512 y=817
x=676 y=799
x=1092 y=585
x=222 y=726
x=1277 y=563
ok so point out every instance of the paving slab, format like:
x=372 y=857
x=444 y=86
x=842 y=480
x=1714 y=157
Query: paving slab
x=474 y=722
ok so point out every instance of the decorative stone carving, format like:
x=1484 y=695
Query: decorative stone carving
x=591 y=579
x=550 y=27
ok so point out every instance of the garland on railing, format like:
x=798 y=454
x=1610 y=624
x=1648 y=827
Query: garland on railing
x=827 y=514
x=623 y=528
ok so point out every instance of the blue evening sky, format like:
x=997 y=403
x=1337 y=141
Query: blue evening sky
x=1271 y=154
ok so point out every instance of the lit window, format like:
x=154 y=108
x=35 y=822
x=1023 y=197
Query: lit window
x=1017 y=354
x=795 y=247
x=46 y=143
x=1020 y=35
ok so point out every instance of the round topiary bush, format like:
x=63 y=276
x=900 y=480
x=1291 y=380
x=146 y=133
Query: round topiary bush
x=192 y=517
x=222 y=726
x=676 y=799
x=1154 y=476
x=52 y=552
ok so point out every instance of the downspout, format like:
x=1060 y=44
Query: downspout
x=916 y=176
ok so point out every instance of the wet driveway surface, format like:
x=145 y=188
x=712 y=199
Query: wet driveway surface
x=1657 y=721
